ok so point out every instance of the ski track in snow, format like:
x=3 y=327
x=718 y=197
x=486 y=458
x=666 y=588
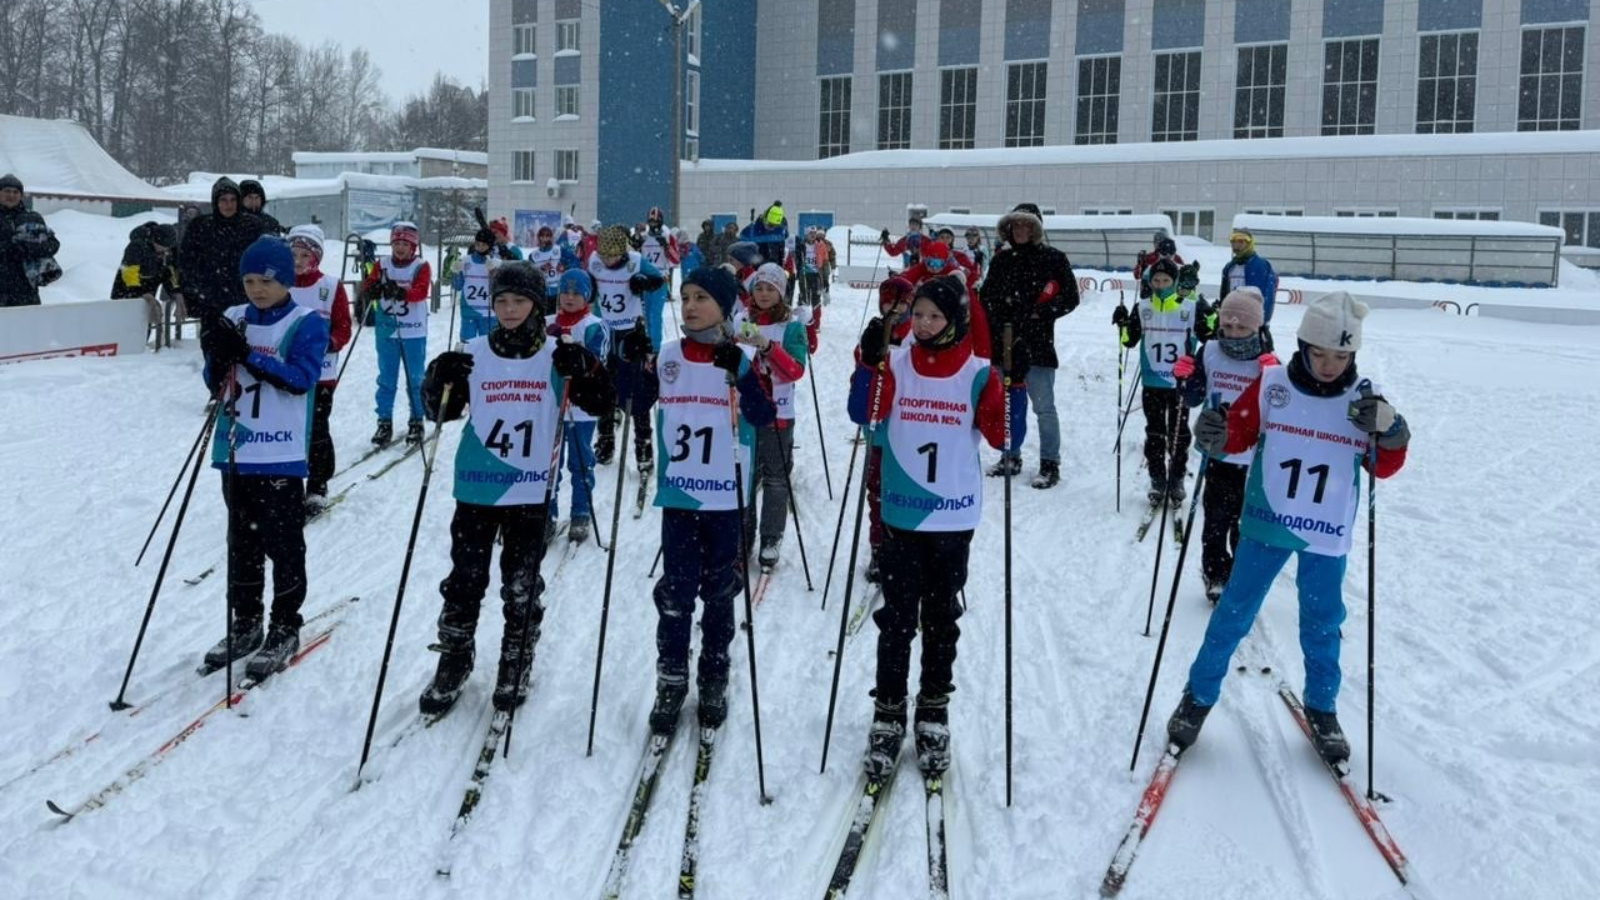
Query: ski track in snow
x=1488 y=677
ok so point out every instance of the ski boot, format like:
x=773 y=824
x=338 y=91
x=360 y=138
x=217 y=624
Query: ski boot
x=1184 y=726
x=888 y=732
x=1008 y=465
x=1158 y=493
x=671 y=690
x=1177 y=492
x=244 y=639
x=455 y=667
x=874 y=572
x=316 y=500
x=384 y=436
x=768 y=557
x=282 y=643
x=605 y=448
x=1328 y=736
x=414 y=433
x=1049 y=474
x=578 y=531
x=713 y=702
x=933 y=734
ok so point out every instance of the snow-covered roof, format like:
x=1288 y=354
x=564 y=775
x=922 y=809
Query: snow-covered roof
x=1395 y=225
x=280 y=187
x=470 y=157
x=1149 y=224
x=1508 y=143
x=60 y=158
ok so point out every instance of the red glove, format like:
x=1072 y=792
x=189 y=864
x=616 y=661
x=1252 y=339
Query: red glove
x=1184 y=367
x=1267 y=359
x=1049 y=292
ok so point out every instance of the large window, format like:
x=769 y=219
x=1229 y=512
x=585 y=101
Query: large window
x=1099 y=99
x=958 y=108
x=1350 y=86
x=1468 y=215
x=833 y=117
x=522 y=165
x=691 y=35
x=1550 y=92
x=567 y=100
x=691 y=115
x=567 y=36
x=1447 y=82
x=1200 y=223
x=522 y=37
x=1177 y=99
x=894 y=111
x=1365 y=212
x=1259 y=89
x=566 y=165
x=522 y=103
x=1582 y=227
x=1025 y=95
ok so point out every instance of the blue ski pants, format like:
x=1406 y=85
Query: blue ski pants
x=390 y=353
x=699 y=558
x=578 y=449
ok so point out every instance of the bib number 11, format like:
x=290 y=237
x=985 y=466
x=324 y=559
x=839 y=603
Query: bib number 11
x=1320 y=471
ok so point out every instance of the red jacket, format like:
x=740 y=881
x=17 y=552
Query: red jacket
x=1244 y=428
x=338 y=316
x=942 y=363
x=419 y=291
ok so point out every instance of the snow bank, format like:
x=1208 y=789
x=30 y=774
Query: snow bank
x=91 y=252
x=60 y=157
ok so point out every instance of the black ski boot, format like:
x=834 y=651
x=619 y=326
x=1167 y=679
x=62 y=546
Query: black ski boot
x=671 y=690
x=643 y=454
x=933 y=734
x=283 y=642
x=384 y=436
x=316 y=500
x=1158 y=492
x=516 y=664
x=455 y=667
x=578 y=531
x=713 y=702
x=1049 y=475
x=884 y=739
x=605 y=448
x=1177 y=493
x=1328 y=736
x=414 y=433
x=1008 y=465
x=245 y=640
x=1184 y=726
x=1214 y=589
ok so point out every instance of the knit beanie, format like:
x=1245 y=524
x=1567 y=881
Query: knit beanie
x=577 y=281
x=1332 y=322
x=519 y=278
x=1166 y=265
x=9 y=180
x=309 y=237
x=165 y=235
x=894 y=290
x=768 y=273
x=612 y=242
x=269 y=257
x=485 y=236
x=745 y=253
x=950 y=296
x=1243 y=234
x=716 y=281
x=1242 y=307
x=407 y=232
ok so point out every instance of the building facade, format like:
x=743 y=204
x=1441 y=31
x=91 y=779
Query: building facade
x=423 y=162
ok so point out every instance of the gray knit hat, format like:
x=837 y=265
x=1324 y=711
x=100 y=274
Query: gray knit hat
x=1333 y=322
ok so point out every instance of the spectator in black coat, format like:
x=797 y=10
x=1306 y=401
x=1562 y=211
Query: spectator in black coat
x=254 y=198
x=1029 y=286
x=208 y=258
x=25 y=241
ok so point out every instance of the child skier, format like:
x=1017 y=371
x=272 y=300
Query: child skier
x=1312 y=424
x=931 y=399
x=1225 y=366
x=551 y=258
x=781 y=349
x=894 y=307
x=631 y=294
x=323 y=294
x=471 y=282
x=398 y=285
x=1164 y=331
x=511 y=383
x=575 y=318
x=701 y=436
x=263 y=362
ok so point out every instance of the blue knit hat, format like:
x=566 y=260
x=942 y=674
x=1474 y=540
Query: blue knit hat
x=271 y=257
x=577 y=281
x=716 y=281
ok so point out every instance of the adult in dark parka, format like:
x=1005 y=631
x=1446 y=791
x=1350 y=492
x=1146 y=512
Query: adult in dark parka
x=208 y=258
x=25 y=239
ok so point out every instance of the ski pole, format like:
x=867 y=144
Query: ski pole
x=744 y=578
x=655 y=562
x=405 y=574
x=822 y=437
x=549 y=487
x=794 y=509
x=120 y=703
x=1372 y=604
x=844 y=504
x=855 y=540
x=1122 y=365
x=1166 y=623
x=1006 y=399
x=1127 y=409
x=611 y=567
x=233 y=518
x=205 y=428
x=356 y=338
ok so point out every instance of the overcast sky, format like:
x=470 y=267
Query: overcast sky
x=409 y=40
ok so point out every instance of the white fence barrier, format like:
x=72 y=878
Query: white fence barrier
x=103 y=328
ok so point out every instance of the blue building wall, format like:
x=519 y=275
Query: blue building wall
x=727 y=79
x=635 y=152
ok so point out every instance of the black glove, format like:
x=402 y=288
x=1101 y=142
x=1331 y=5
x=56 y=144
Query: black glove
x=872 y=343
x=572 y=359
x=452 y=367
x=883 y=236
x=224 y=345
x=636 y=241
x=642 y=284
x=1211 y=430
x=1119 y=316
x=393 y=291
x=727 y=356
x=635 y=345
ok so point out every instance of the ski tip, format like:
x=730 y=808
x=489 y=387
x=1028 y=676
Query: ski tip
x=53 y=807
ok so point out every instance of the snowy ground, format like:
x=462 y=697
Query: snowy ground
x=1489 y=676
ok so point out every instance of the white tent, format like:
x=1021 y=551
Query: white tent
x=61 y=159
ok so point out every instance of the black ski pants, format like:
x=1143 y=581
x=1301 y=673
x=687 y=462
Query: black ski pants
x=472 y=537
x=321 y=458
x=1224 y=501
x=699 y=558
x=626 y=377
x=923 y=574
x=266 y=520
x=1163 y=407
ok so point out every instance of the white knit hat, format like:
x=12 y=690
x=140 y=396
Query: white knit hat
x=1333 y=322
x=769 y=273
x=309 y=235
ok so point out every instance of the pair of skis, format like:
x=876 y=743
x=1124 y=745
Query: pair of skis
x=871 y=797
x=650 y=768
x=1149 y=519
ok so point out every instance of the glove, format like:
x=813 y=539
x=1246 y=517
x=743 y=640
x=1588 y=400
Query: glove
x=635 y=345
x=636 y=241
x=224 y=345
x=452 y=367
x=572 y=359
x=641 y=283
x=1372 y=414
x=553 y=330
x=883 y=236
x=393 y=291
x=1268 y=359
x=1211 y=430
x=728 y=357
x=1398 y=435
x=1184 y=367
x=872 y=343
x=1119 y=316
